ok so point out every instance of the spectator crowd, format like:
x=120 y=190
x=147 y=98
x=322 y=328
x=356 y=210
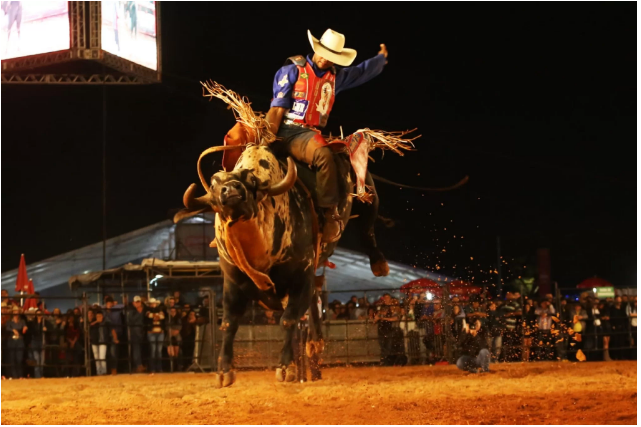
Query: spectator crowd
x=145 y=335
x=151 y=335
x=419 y=329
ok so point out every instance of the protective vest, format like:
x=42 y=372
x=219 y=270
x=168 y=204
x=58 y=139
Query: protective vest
x=313 y=96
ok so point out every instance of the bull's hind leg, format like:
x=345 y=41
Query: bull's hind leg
x=367 y=219
x=299 y=297
x=234 y=304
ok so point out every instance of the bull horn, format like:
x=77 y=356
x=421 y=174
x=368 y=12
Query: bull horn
x=212 y=150
x=192 y=202
x=288 y=182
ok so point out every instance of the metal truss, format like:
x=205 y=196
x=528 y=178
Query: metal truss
x=77 y=22
x=70 y=79
x=41 y=60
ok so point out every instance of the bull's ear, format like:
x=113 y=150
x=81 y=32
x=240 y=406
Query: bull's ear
x=188 y=213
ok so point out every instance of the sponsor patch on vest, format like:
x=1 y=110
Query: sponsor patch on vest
x=300 y=94
x=304 y=76
x=298 y=110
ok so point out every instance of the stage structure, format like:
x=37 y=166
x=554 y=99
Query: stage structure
x=81 y=42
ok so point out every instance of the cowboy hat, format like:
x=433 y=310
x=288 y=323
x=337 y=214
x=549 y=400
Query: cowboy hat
x=331 y=46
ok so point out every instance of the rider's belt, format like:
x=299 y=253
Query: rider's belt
x=293 y=123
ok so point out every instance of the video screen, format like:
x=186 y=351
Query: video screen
x=129 y=31
x=32 y=27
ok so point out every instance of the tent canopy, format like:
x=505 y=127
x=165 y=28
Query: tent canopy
x=157 y=242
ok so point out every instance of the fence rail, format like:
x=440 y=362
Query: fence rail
x=258 y=343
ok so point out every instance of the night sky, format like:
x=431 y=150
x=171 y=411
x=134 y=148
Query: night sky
x=534 y=101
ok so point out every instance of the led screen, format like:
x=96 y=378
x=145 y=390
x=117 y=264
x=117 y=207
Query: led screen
x=32 y=27
x=129 y=31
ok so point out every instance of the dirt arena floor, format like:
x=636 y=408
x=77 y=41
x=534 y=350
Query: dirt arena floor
x=536 y=393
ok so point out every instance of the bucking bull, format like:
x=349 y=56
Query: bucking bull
x=267 y=231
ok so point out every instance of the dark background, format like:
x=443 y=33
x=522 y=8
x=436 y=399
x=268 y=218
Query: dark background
x=534 y=101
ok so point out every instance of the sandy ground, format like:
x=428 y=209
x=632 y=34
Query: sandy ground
x=536 y=393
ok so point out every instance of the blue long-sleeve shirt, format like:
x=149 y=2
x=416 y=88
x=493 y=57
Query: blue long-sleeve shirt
x=346 y=78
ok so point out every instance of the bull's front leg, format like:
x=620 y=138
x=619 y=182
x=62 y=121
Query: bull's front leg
x=367 y=219
x=234 y=304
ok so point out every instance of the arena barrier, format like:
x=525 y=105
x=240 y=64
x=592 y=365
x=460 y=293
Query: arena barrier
x=259 y=341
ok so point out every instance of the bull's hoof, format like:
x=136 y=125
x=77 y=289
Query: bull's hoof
x=290 y=376
x=314 y=347
x=280 y=374
x=218 y=382
x=229 y=378
x=378 y=263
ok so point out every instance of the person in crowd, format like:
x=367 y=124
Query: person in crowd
x=343 y=314
x=16 y=343
x=457 y=323
x=6 y=336
x=169 y=302
x=475 y=310
x=29 y=316
x=114 y=313
x=544 y=313
x=99 y=338
x=335 y=308
x=528 y=329
x=37 y=329
x=203 y=311
x=174 y=327
x=351 y=311
x=495 y=331
x=593 y=334
x=511 y=315
x=178 y=299
x=384 y=319
x=188 y=335
x=73 y=337
x=475 y=354
x=631 y=310
x=184 y=311
x=619 y=327
x=155 y=334
x=606 y=328
x=360 y=313
x=136 y=318
x=55 y=340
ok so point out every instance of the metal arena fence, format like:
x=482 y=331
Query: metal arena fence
x=55 y=346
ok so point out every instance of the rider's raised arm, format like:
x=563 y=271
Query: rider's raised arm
x=350 y=77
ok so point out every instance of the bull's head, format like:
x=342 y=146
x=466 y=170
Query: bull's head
x=236 y=194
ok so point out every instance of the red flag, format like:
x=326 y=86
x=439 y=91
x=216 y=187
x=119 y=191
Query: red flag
x=22 y=282
x=30 y=302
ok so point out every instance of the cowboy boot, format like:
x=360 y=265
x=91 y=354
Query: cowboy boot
x=333 y=227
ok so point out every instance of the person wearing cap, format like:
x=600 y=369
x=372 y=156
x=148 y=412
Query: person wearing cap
x=15 y=344
x=136 y=328
x=304 y=91
x=113 y=313
x=155 y=318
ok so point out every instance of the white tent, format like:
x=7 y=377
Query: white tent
x=352 y=270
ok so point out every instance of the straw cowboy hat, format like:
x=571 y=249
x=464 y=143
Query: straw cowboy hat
x=331 y=46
